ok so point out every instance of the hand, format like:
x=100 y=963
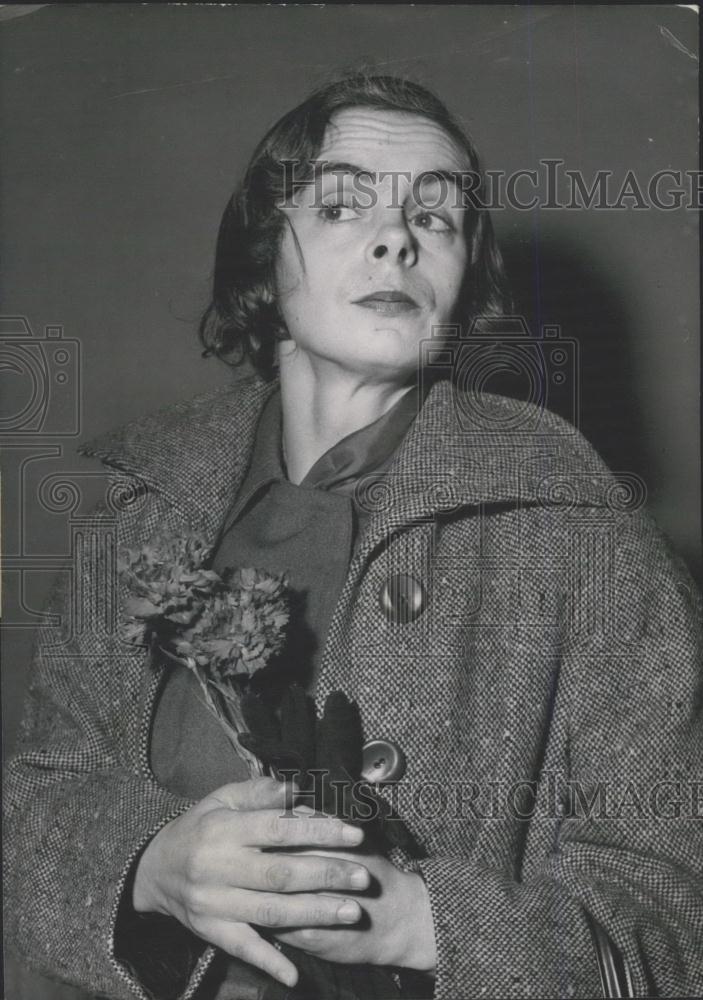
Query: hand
x=212 y=869
x=398 y=929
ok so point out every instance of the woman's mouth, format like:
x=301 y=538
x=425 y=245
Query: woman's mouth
x=388 y=303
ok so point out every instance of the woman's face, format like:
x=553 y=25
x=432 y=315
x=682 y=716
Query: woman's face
x=380 y=256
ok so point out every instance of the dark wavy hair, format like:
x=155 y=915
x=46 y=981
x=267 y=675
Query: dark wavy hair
x=243 y=321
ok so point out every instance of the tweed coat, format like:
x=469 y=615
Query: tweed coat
x=547 y=698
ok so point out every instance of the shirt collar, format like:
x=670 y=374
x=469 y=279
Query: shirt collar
x=362 y=453
x=366 y=451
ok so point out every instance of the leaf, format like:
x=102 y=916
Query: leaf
x=181 y=617
x=135 y=632
x=141 y=607
x=340 y=736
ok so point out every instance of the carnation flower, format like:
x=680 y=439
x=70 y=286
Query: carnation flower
x=168 y=583
x=240 y=627
x=222 y=628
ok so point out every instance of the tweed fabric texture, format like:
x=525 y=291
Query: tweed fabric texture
x=561 y=642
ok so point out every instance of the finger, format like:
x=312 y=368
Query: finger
x=256 y=793
x=305 y=938
x=242 y=941
x=332 y=944
x=269 y=909
x=296 y=873
x=273 y=828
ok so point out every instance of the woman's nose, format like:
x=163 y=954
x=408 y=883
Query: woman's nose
x=394 y=243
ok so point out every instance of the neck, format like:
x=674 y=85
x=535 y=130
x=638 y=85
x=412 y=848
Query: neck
x=321 y=404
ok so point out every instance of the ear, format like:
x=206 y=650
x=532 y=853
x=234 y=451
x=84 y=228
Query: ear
x=268 y=296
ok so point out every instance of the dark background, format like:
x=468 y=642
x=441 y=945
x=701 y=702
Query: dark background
x=125 y=128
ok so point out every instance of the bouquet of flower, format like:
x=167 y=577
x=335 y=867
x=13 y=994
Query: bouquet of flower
x=224 y=628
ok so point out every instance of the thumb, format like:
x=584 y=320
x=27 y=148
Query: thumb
x=255 y=793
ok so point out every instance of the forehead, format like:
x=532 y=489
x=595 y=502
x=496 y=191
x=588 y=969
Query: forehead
x=390 y=140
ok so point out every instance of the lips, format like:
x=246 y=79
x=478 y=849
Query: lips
x=388 y=302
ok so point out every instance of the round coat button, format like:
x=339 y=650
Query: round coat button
x=382 y=760
x=403 y=598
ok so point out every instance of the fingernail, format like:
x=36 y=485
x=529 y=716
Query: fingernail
x=359 y=879
x=352 y=835
x=348 y=912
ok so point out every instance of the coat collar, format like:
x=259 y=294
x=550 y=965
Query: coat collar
x=462 y=450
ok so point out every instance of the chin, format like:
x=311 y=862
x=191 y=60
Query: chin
x=389 y=365
x=395 y=335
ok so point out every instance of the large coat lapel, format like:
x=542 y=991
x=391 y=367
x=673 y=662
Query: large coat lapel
x=194 y=453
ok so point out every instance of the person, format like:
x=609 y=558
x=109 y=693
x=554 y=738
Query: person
x=508 y=619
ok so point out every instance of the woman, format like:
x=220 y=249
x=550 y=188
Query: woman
x=493 y=635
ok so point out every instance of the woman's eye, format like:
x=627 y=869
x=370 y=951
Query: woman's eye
x=337 y=212
x=433 y=223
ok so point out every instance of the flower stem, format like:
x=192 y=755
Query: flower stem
x=227 y=709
